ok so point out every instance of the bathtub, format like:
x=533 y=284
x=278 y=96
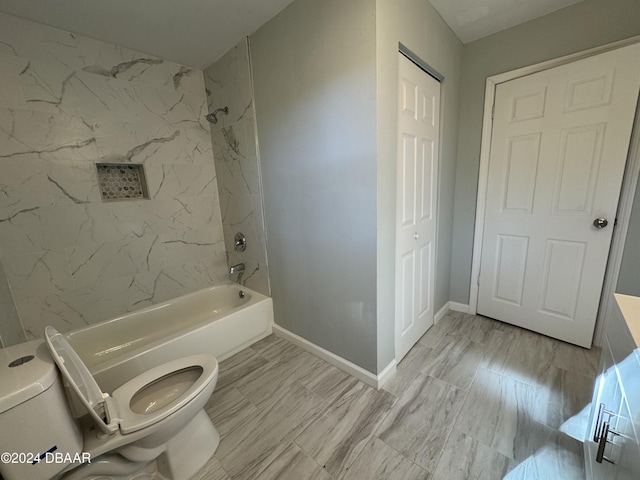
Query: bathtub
x=219 y=320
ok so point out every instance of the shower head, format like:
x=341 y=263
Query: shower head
x=212 y=116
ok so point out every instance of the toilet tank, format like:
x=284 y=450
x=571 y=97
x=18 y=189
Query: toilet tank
x=34 y=415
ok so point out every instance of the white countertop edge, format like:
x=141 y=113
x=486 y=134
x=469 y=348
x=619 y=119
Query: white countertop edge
x=630 y=308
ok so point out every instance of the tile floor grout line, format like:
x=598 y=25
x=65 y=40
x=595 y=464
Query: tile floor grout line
x=373 y=435
x=533 y=420
x=321 y=467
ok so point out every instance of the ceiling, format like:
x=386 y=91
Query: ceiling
x=474 y=19
x=190 y=32
x=197 y=32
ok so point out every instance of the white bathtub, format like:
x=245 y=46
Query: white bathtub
x=218 y=320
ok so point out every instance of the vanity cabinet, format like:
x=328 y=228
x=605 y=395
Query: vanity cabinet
x=612 y=449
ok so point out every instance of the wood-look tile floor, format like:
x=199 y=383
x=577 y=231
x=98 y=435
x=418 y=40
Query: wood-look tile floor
x=474 y=399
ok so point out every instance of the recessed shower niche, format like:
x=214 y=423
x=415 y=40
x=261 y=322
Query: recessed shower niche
x=119 y=181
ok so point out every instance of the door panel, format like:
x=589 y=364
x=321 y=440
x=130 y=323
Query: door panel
x=427 y=180
x=563 y=267
x=425 y=280
x=408 y=276
x=510 y=269
x=522 y=165
x=578 y=169
x=418 y=131
x=558 y=150
x=589 y=92
x=408 y=190
x=528 y=106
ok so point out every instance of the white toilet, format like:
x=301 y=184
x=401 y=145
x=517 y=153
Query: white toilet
x=51 y=429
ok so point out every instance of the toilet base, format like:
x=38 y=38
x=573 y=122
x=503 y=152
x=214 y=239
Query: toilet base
x=182 y=456
x=111 y=466
x=189 y=450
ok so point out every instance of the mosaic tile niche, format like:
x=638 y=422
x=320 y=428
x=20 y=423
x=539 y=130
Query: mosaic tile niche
x=118 y=181
x=67 y=103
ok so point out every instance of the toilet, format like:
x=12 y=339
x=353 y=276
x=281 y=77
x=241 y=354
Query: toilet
x=54 y=416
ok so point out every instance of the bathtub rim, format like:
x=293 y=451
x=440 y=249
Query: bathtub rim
x=78 y=337
x=255 y=298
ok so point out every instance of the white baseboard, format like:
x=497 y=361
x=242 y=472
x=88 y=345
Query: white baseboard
x=386 y=374
x=375 y=381
x=459 y=307
x=456 y=307
x=441 y=313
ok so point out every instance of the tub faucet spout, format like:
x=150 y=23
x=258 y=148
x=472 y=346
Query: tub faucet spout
x=239 y=269
x=236 y=268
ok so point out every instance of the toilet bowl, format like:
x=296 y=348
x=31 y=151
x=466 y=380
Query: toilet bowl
x=156 y=415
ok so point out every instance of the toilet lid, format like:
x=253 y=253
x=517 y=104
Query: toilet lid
x=79 y=378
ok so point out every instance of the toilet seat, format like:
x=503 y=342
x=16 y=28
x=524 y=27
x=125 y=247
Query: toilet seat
x=112 y=413
x=131 y=421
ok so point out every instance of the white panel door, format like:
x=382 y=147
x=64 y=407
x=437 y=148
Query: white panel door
x=417 y=181
x=558 y=151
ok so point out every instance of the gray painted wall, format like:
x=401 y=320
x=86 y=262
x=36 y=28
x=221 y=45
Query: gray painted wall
x=325 y=80
x=417 y=25
x=573 y=29
x=315 y=93
x=629 y=278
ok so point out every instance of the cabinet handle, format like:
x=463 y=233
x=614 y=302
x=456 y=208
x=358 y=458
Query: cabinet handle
x=603 y=443
x=597 y=432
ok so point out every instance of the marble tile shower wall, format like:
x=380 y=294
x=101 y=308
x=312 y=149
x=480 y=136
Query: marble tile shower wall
x=228 y=83
x=68 y=102
x=10 y=328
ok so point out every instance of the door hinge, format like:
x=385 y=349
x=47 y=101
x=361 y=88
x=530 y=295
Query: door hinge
x=493 y=111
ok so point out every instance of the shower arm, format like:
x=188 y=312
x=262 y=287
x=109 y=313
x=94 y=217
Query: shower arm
x=211 y=117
